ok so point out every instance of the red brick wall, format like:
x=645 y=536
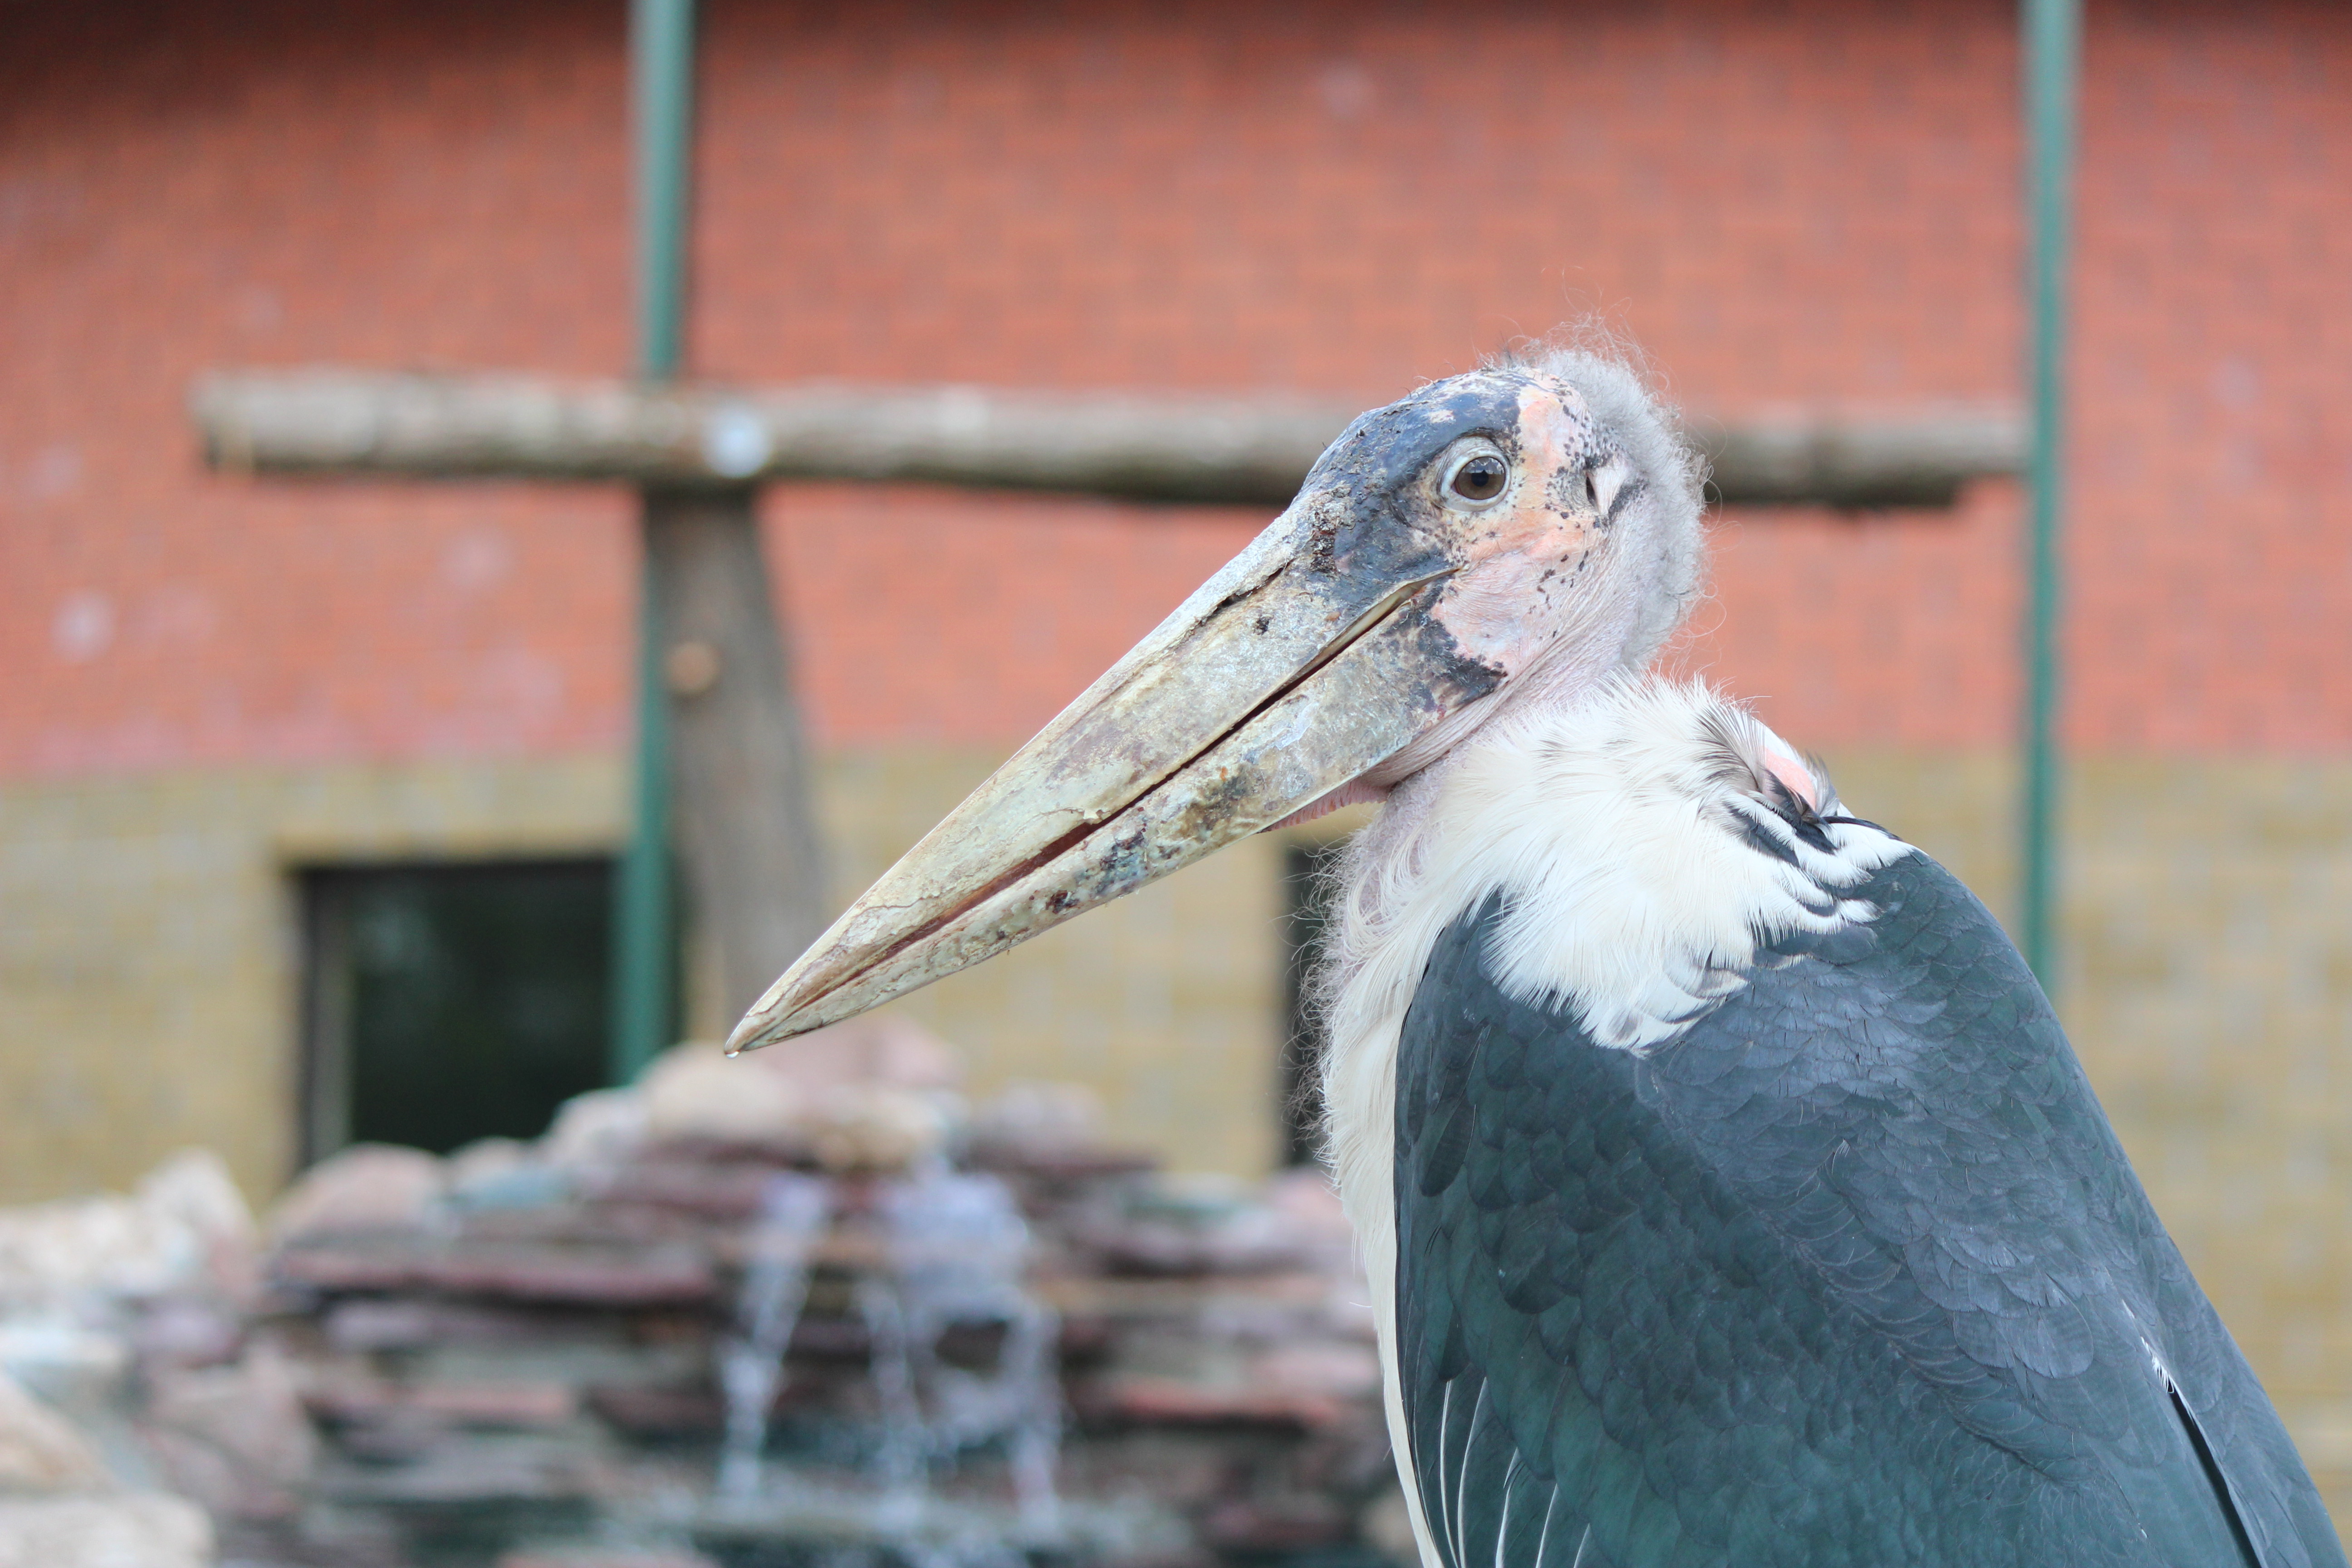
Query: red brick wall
x=1806 y=203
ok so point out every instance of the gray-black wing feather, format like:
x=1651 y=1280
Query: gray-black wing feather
x=1850 y=1271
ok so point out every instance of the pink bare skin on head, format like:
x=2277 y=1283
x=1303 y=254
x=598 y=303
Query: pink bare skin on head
x=1521 y=559
x=1518 y=561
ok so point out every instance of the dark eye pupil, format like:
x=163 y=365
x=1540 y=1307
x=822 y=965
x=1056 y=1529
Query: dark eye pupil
x=1480 y=478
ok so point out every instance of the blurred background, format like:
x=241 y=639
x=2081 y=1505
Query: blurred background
x=311 y=793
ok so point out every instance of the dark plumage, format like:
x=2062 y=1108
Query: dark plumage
x=1850 y=1272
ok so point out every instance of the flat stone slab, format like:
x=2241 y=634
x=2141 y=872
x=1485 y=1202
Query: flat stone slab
x=601 y=1557
x=667 y=1275
x=795 y=1512
x=512 y=1406
x=472 y=1471
x=1171 y=1402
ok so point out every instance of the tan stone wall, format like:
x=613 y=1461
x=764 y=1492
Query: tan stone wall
x=148 y=947
x=147 y=972
x=148 y=956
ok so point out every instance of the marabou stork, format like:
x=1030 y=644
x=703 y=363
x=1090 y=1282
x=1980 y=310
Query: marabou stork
x=1729 y=1191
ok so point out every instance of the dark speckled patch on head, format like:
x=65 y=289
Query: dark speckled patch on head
x=1375 y=515
x=1382 y=456
x=1567 y=491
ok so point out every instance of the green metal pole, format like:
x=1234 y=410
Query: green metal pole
x=2052 y=34
x=644 y=919
x=661 y=59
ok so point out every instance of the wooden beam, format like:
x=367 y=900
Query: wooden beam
x=1158 y=448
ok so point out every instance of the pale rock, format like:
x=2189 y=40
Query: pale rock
x=1386 y=1526
x=486 y=1160
x=505 y=1173
x=235 y=1437
x=1321 y=1237
x=1040 y=1119
x=367 y=1188
x=86 y=1249
x=187 y=1227
x=879 y=1090
x=40 y=1450
x=874 y=1093
x=595 y=1130
x=695 y=1093
x=62 y=1360
x=128 y=1530
x=194 y=1188
x=1307 y=1194
x=886 y=1048
x=877 y=1127
x=1343 y=1369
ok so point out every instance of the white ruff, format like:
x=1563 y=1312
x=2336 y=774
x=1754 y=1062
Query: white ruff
x=1614 y=829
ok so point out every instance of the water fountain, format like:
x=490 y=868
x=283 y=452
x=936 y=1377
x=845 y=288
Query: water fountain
x=793 y=1212
x=653 y=1337
x=951 y=1248
x=956 y=1245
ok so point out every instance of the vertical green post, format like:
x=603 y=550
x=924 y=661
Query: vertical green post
x=661 y=60
x=661 y=74
x=2053 y=33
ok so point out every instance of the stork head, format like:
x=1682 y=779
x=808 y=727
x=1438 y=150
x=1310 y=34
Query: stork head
x=1495 y=538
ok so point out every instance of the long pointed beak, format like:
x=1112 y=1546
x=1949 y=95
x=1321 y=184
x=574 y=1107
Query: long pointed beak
x=1290 y=673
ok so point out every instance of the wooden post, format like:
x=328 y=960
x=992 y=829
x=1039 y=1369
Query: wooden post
x=740 y=768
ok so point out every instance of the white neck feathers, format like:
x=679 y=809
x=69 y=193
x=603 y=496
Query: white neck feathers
x=1623 y=829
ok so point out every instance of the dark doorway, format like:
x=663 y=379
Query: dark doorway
x=1308 y=886
x=446 y=1002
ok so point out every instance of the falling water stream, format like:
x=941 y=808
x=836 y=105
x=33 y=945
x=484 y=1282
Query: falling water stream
x=956 y=1245
x=953 y=1246
x=793 y=1212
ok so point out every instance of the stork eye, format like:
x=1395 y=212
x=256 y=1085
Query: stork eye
x=1479 y=478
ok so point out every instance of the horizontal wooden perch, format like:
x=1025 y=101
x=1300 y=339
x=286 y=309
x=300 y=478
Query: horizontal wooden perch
x=1162 y=447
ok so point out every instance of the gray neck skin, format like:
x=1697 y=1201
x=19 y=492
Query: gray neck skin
x=1605 y=645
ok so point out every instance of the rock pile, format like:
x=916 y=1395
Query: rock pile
x=511 y=1355
x=116 y=1316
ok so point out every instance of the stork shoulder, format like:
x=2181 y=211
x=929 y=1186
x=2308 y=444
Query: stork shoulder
x=1648 y=842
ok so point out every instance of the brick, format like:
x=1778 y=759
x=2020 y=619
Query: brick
x=1791 y=206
